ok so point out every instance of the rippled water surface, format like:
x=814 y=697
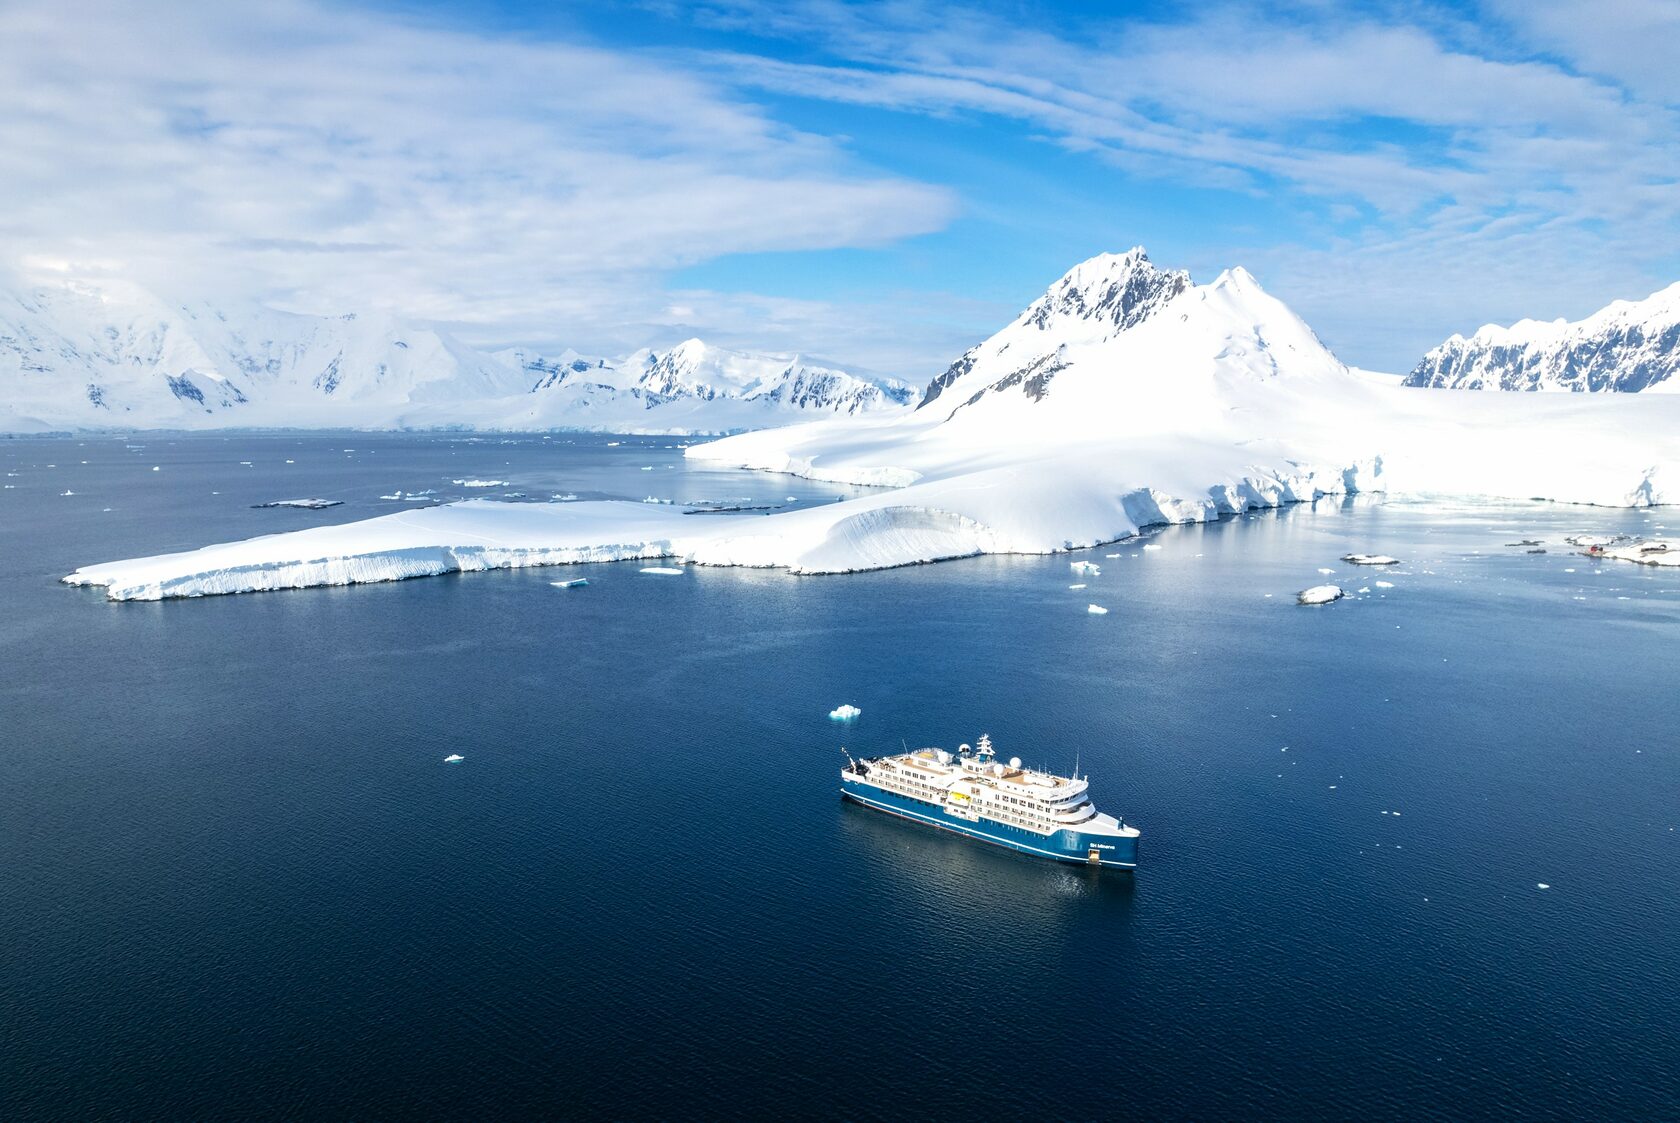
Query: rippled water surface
x=236 y=876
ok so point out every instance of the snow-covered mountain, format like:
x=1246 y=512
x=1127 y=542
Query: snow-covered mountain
x=114 y=356
x=1627 y=347
x=1127 y=396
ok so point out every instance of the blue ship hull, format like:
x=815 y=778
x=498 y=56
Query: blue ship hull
x=1062 y=846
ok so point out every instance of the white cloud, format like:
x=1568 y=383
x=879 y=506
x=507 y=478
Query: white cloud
x=1526 y=164
x=327 y=159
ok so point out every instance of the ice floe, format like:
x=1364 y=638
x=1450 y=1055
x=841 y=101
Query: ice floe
x=472 y=482
x=1320 y=594
x=664 y=570
x=1658 y=552
x=453 y=758
x=1368 y=559
x=1383 y=584
x=574 y=583
x=1090 y=568
x=1096 y=610
x=847 y=712
x=306 y=504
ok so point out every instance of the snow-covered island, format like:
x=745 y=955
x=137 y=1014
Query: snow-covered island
x=1127 y=396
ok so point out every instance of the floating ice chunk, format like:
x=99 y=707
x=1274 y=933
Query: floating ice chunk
x=574 y=583
x=244 y=463
x=1384 y=584
x=453 y=758
x=1111 y=555
x=665 y=570
x=1151 y=546
x=1326 y=572
x=1079 y=586
x=1096 y=610
x=848 y=712
x=473 y=483
x=155 y=467
x=67 y=493
x=793 y=499
x=393 y=495
x=614 y=444
x=567 y=497
x=1365 y=590
x=647 y=467
x=1541 y=885
x=306 y=504
x=291 y=462
x=1091 y=568
x=1370 y=559
x=1320 y=594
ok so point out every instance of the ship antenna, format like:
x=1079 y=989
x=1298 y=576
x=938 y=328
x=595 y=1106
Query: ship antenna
x=1076 y=764
x=905 y=745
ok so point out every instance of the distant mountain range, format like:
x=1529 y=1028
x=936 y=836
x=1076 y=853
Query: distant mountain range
x=115 y=356
x=1127 y=396
x=1628 y=347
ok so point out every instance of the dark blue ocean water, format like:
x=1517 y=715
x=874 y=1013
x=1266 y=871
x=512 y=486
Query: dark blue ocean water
x=237 y=879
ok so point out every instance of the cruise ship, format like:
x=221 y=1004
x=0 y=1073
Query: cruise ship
x=974 y=793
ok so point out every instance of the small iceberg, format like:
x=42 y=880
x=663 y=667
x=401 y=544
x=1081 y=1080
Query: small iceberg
x=1096 y=610
x=393 y=495
x=473 y=483
x=67 y=493
x=1368 y=559
x=306 y=504
x=574 y=583
x=1384 y=584
x=1326 y=572
x=1151 y=546
x=663 y=570
x=847 y=712
x=453 y=758
x=1541 y=885
x=1320 y=594
x=1081 y=585
x=1091 y=568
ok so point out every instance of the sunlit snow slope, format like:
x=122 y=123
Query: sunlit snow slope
x=1126 y=396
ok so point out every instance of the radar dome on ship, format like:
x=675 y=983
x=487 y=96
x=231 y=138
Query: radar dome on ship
x=943 y=757
x=1014 y=762
x=964 y=749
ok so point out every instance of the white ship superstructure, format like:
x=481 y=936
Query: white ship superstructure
x=972 y=792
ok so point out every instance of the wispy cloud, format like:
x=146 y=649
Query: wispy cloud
x=327 y=158
x=1443 y=167
x=1513 y=162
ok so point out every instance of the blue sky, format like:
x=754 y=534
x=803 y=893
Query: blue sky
x=876 y=185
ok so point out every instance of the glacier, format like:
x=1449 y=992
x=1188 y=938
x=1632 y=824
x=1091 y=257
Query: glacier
x=76 y=356
x=1126 y=397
